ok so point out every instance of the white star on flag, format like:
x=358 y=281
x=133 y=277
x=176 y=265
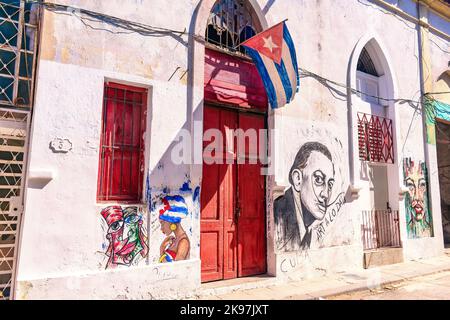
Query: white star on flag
x=269 y=44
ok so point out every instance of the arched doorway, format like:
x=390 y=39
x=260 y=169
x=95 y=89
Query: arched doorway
x=375 y=155
x=375 y=127
x=233 y=233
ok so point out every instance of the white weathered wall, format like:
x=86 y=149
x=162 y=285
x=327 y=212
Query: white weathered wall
x=61 y=252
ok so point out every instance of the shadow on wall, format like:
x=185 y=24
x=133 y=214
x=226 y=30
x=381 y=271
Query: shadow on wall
x=443 y=151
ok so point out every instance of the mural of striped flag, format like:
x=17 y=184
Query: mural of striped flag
x=273 y=53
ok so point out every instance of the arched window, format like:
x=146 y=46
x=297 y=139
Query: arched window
x=374 y=123
x=230 y=23
x=365 y=63
x=368 y=78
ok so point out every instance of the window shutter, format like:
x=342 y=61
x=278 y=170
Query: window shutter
x=122 y=144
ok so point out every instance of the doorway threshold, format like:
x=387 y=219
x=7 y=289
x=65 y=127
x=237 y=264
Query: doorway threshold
x=228 y=286
x=382 y=256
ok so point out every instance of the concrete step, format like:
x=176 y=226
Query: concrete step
x=382 y=257
x=224 y=287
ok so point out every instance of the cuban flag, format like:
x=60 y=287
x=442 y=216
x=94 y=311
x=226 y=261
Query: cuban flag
x=273 y=53
x=174 y=209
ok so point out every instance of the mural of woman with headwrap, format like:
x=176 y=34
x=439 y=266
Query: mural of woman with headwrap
x=126 y=235
x=176 y=245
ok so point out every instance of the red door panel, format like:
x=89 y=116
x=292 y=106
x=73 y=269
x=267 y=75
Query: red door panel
x=219 y=258
x=251 y=221
x=229 y=226
x=211 y=236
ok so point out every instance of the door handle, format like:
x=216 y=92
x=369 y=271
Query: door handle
x=237 y=211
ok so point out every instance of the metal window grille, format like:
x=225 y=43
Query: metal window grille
x=122 y=144
x=19 y=25
x=380 y=229
x=18 y=36
x=376 y=140
x=365 y=64
x=230 y=23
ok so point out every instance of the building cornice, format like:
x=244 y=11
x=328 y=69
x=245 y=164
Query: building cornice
x=442 y=7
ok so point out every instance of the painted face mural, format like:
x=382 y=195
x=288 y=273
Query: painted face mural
x=418 y=217
x=176 y=245
x=126 y=235
x=315 y=183
x=309 y=201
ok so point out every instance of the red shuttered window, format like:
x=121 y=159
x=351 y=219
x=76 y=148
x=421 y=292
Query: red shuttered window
x=121 y=166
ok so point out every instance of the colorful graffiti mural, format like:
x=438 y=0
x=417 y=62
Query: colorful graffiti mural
x=305 y=211
x=418 y=215
x=126 y=236
x=176 y=245
x=172 y=212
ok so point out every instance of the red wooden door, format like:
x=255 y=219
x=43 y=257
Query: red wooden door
x=232 y=241
x=251 y=204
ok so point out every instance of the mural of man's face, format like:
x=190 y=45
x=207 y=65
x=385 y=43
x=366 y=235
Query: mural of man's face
x=315 y=183
x=417 y=188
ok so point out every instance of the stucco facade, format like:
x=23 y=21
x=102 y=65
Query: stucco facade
x=62 y=246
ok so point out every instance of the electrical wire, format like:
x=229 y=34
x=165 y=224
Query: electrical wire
x=148 y=30
x=145 y=29
x=305 y=73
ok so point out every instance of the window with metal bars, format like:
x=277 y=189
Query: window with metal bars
x=19 y=21
x=121 y=167
x=375 y=138
x=365 y=64
x=230 y=23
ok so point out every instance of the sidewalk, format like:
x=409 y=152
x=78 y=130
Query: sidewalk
x=321 y=288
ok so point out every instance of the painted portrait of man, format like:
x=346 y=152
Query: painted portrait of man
x=125 y=234
x=418 y=217
x=311 y=177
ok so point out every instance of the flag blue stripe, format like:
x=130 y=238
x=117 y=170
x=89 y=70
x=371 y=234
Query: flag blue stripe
x=170 y=219
x=179 y=209
x=287 y=37
x=175 y=198
x=285 y=80
x=270 y=89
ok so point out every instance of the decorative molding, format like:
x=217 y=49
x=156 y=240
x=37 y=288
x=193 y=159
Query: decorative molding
x=38 y=179
x=403 y=191
x=439 y=6
x=60 y=145
x=278 y=190
x=353 y=191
